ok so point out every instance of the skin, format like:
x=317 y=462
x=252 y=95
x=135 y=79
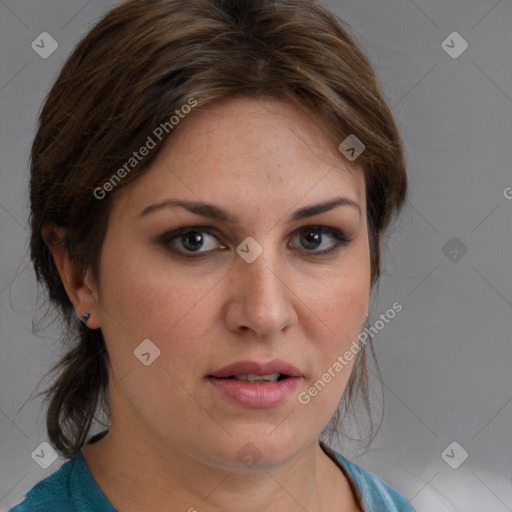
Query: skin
x=174 y=441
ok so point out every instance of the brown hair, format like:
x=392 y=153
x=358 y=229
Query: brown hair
x=132 y=71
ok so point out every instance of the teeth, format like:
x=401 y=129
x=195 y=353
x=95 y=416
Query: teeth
x=251 y=377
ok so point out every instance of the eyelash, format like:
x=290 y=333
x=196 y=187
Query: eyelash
x=340 y=238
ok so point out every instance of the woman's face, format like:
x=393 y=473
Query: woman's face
x=293 y=309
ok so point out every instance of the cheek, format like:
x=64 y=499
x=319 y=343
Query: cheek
x=346 y=304
x=146 y=293
x=340 y=305
x=341 y=299
x=340 y=308
x=141 y=300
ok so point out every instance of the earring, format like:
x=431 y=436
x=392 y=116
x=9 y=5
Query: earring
x=85 y=317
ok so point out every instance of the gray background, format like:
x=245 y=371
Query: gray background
x=445 y=357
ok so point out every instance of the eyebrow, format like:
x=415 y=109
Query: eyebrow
x=213 y=211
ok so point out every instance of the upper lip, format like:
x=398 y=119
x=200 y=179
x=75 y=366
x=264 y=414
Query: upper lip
x=257 y=368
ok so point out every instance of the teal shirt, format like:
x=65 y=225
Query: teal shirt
x=72 y=488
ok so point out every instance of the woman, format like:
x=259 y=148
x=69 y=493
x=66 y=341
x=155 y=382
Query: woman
x=210 y=183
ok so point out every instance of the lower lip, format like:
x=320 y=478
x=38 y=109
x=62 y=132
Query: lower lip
x=256 y=396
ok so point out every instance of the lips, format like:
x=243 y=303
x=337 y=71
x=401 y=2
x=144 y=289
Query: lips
x=256 y=368
x=255 y=385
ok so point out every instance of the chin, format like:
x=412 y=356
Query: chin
x=246 y=453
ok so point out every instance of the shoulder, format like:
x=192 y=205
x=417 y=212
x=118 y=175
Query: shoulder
x=52 y=493
x=71 y=488
x=376 y=494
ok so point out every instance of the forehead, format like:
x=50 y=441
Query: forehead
x=267 y=149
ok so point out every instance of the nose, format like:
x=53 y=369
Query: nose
x=261 y=297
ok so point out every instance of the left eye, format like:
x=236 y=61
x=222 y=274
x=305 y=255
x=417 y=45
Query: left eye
x=312 y=237
x=201 y=240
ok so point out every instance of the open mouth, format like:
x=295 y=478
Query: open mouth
x=255 y=384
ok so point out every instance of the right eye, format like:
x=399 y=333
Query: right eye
x=189 y=241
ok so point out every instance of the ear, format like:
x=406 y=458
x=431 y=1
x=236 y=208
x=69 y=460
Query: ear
x=78 y=284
